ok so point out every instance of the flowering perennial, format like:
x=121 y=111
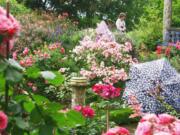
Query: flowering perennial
x=117 y=131
x=163 y=124
x=86 y=111
x=9 y=27
x=106 y=59
x=106 y=91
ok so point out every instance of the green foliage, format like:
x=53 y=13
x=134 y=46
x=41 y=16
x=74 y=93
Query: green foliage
x=121 y=116
x=16 y=8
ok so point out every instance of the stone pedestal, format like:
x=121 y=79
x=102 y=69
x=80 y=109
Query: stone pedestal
x=78 y=85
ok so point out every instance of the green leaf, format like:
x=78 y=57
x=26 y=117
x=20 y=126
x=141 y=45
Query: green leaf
x=53 y=107
x=13 y=75
x=35 y=116
x=58 y=80
x=28 y=106
x=20 y=98
x=46 y=130
x=75 y=118
x=3 y=65
x=40 y=100
x=22 y=124
x=2 y=82
x=69 y=120
x=33 y=72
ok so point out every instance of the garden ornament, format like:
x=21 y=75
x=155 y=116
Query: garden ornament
x=154 y=83
x=78 y=85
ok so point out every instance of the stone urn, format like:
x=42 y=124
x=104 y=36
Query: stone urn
x=78 y=85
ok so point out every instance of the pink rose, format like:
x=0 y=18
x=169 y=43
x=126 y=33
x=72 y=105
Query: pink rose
x=165 y=119
x=3 y=121
x=117 y=131
x=88 y=112
x=144 y=128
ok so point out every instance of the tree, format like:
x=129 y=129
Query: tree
x=167 y=18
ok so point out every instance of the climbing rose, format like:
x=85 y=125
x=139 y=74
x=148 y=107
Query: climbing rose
x=3 y=121
x=117 y=131
x=106 y=91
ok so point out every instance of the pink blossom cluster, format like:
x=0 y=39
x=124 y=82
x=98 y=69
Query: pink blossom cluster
x=3 y=121
x=27 y=59
x=106 y=91
x=86 y=111
x=163 y=124
x=106 y=48
x=109 y=75
x=9 y=27
x=117 y=131
x=54 y=46
x=135 y=105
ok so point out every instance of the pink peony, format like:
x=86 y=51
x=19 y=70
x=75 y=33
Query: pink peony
x=88 y=112
x=117 y=131
x=3 y=121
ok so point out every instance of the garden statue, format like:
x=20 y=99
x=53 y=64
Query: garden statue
x=120 y=23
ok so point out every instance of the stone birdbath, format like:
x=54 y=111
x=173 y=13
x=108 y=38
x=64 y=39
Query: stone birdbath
x=78 y=85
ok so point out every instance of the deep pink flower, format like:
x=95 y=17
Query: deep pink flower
x=165 y=119
x=3 y=121
x=106 y=91
x=117 y=131
x=88 y=112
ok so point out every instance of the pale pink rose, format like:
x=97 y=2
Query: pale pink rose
x=144 y=128
x=150 y=117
